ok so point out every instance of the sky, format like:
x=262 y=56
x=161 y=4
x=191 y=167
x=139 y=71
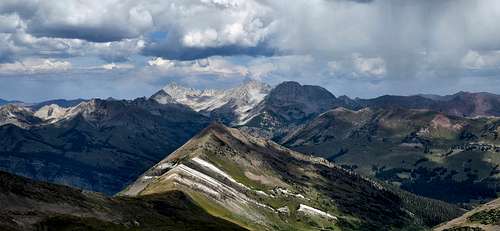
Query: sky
x=360 y=48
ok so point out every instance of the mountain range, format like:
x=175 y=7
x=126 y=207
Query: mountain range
x=361 y=156
x=99 y=145
x=460 y=104
x=426 y=152
x=250 y=183
x=230 y=106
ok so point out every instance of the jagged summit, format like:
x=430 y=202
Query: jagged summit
x=18 y=115
x=230 y=106
x=52 y=112
x=163 y=97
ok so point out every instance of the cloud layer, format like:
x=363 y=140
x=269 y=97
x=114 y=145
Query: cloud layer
x=378 y=45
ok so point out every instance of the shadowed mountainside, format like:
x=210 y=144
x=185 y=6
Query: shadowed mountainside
x=31 y=205
x=99 y=145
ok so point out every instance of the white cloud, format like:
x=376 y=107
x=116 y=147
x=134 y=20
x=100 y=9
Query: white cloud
x=115 y=66
x=35 y=66
x=215 y=66
x=476 y=60
x=314 y=41
x=9 y=23
x=369 y=66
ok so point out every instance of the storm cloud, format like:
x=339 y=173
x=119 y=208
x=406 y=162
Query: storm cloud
x=379 y=45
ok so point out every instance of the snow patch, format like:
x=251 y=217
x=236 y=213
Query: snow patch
x=216 y=170
x=52 y=112
x=196 y=180
x=213 y=168
x=165 y=165
x=284 y=209
x=314 y=212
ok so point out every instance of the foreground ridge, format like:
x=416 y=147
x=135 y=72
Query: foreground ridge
x=264 y=186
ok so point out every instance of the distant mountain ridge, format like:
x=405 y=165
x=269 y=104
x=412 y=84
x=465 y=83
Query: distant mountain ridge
x=459 y=104
x=4 y=102
x=88 y=135
x=59 y=102
x=430 y=153
x=230 y=106
x=272 y=112
x=99 y=145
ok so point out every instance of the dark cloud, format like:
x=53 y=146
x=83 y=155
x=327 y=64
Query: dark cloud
x=6 y=56
x=91 y=34
x=24 y=8
x=370 y=46
x=178 y=52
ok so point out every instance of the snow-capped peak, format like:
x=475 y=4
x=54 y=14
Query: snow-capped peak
x=54 y=113
x=17 y=115
x=239 y=99
x=51 y=112
x=163 y=97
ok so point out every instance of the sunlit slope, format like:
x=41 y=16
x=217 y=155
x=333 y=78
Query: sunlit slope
x=264 y=186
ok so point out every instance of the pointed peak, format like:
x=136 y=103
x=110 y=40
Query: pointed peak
x=215 y=128
x=163 y=97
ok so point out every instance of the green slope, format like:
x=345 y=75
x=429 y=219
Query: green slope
x=483 y=218
x=444 y=157
x=263 y=186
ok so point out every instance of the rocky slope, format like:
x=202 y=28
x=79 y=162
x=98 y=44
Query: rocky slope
x=429 y=153
x=288 y=105
x=483 y=218
x=31 y=205
x=18 y=115
x=263 y=186
x=230 y=106
x=99 y=145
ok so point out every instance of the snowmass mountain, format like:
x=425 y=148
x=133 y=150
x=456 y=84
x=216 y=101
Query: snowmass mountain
x=230 y=106
x=99 y=145
x=52 y=113
x=261 y=185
